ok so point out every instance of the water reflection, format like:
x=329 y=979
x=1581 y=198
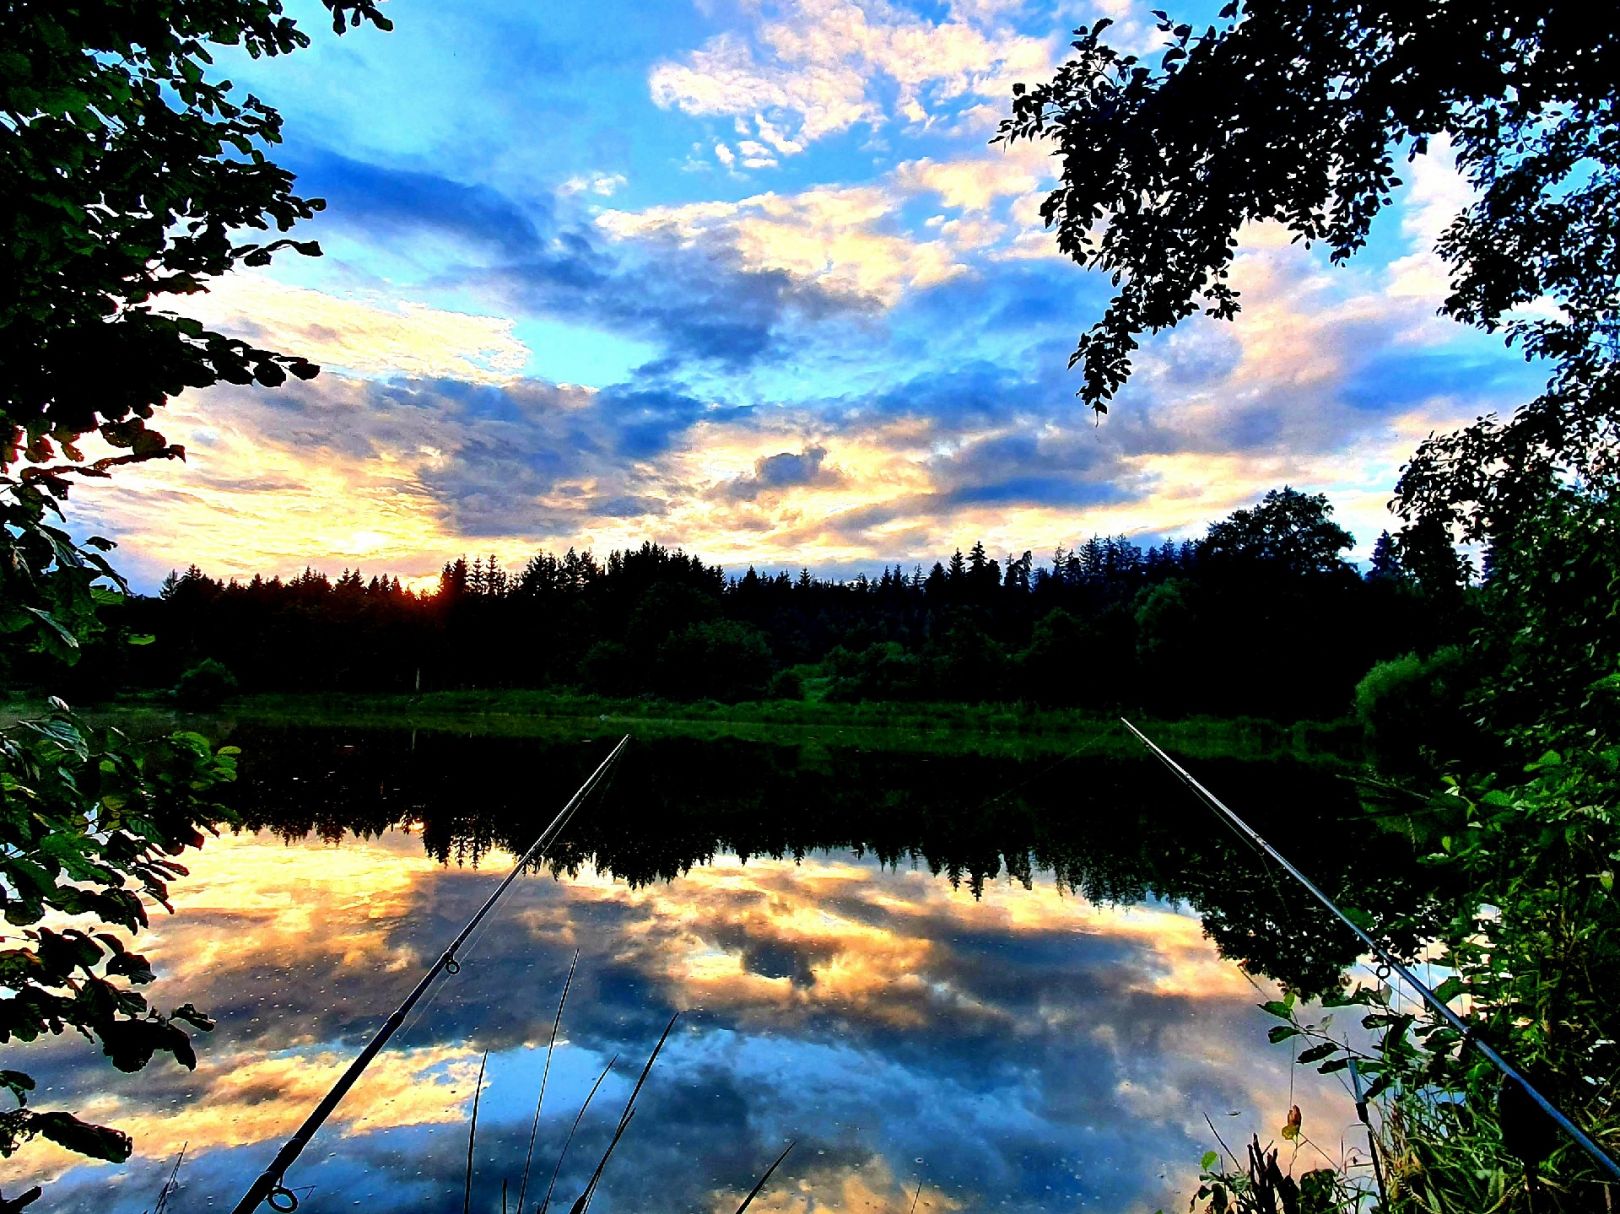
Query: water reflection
x=958 y=975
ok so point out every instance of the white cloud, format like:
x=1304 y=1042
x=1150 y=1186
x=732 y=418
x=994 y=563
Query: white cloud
x=1436 y=194
x=755 y=155
x=603 y=185
x=849 y=238
x=1134 y=30
x=970 y=185
x=372 y=337
x=818 y=67
x=837 y=237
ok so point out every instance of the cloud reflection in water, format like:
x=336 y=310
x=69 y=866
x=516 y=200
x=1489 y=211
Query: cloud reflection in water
x=1026 y=1050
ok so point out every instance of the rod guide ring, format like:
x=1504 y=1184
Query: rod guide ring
x=282 y=1198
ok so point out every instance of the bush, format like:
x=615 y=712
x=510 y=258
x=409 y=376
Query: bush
x=206 y=685
x=608 y=669
x=1410 y=707
x=720 y=660
x=786 y=685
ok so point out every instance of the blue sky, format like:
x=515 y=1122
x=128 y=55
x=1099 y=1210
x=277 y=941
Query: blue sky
x=746 y=276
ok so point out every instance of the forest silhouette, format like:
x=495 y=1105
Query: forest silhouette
x=1263 y=615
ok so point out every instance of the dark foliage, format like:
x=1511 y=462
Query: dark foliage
x=1295 y=113
x=1262 y=616
x=129 y=172
x=132 y=173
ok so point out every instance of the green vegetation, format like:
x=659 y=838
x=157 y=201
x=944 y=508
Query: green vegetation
x=131 y=173
x=1009 y=730
x=206 y=685
x=1294 y=113
x=1411 y=708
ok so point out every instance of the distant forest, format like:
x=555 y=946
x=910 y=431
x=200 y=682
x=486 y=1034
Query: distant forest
x=1263 y=615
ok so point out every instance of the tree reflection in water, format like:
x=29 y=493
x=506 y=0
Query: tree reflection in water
x=1114 y=832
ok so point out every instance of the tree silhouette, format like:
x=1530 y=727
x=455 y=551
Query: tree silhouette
x=1294 y=112
x=1288 y=532
x=131 y=172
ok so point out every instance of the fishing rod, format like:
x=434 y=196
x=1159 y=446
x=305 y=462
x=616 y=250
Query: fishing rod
x=1508 y=1070
x=269 y=1187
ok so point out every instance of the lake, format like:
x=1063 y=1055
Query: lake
x=952 y=982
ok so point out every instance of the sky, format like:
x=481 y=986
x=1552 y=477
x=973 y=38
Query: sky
x=747 y=277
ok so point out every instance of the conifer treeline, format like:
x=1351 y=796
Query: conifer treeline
x=1262 y=615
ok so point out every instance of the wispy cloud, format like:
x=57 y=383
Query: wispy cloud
x=815 y=68
x=842 y=241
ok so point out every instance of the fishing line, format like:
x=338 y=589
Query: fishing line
x=269 y=1187
x=1389 y=963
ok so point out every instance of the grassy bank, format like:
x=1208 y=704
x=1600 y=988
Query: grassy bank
x=1012 y=730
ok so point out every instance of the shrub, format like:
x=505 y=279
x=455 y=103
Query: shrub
x=206 y=685
x=1409 y=707
x=787 y=685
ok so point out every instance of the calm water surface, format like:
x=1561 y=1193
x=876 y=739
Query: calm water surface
x=988 y=984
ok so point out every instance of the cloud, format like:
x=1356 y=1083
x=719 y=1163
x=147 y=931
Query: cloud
x=373 y=335
x=928 y=372
x=1016 y=467
x=1134 y=30
x=971 y=184
x=379 y=199
x=842 y=241
x=707 y=304
x=603 y=185
x=881 y=1016
x=784 y=470
x=851 y=242
x=815 y=68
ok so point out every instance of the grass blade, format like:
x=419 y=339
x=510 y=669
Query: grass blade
x=754 y=1192
x=472 y=1134
x=546 y=1204
x=545 y=1074
x=629 y=1105
x=583 y=1201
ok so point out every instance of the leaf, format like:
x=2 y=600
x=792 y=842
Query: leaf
x=188 y=1013
x=80 y=1137
x=18 y=1083
x=55 y=625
